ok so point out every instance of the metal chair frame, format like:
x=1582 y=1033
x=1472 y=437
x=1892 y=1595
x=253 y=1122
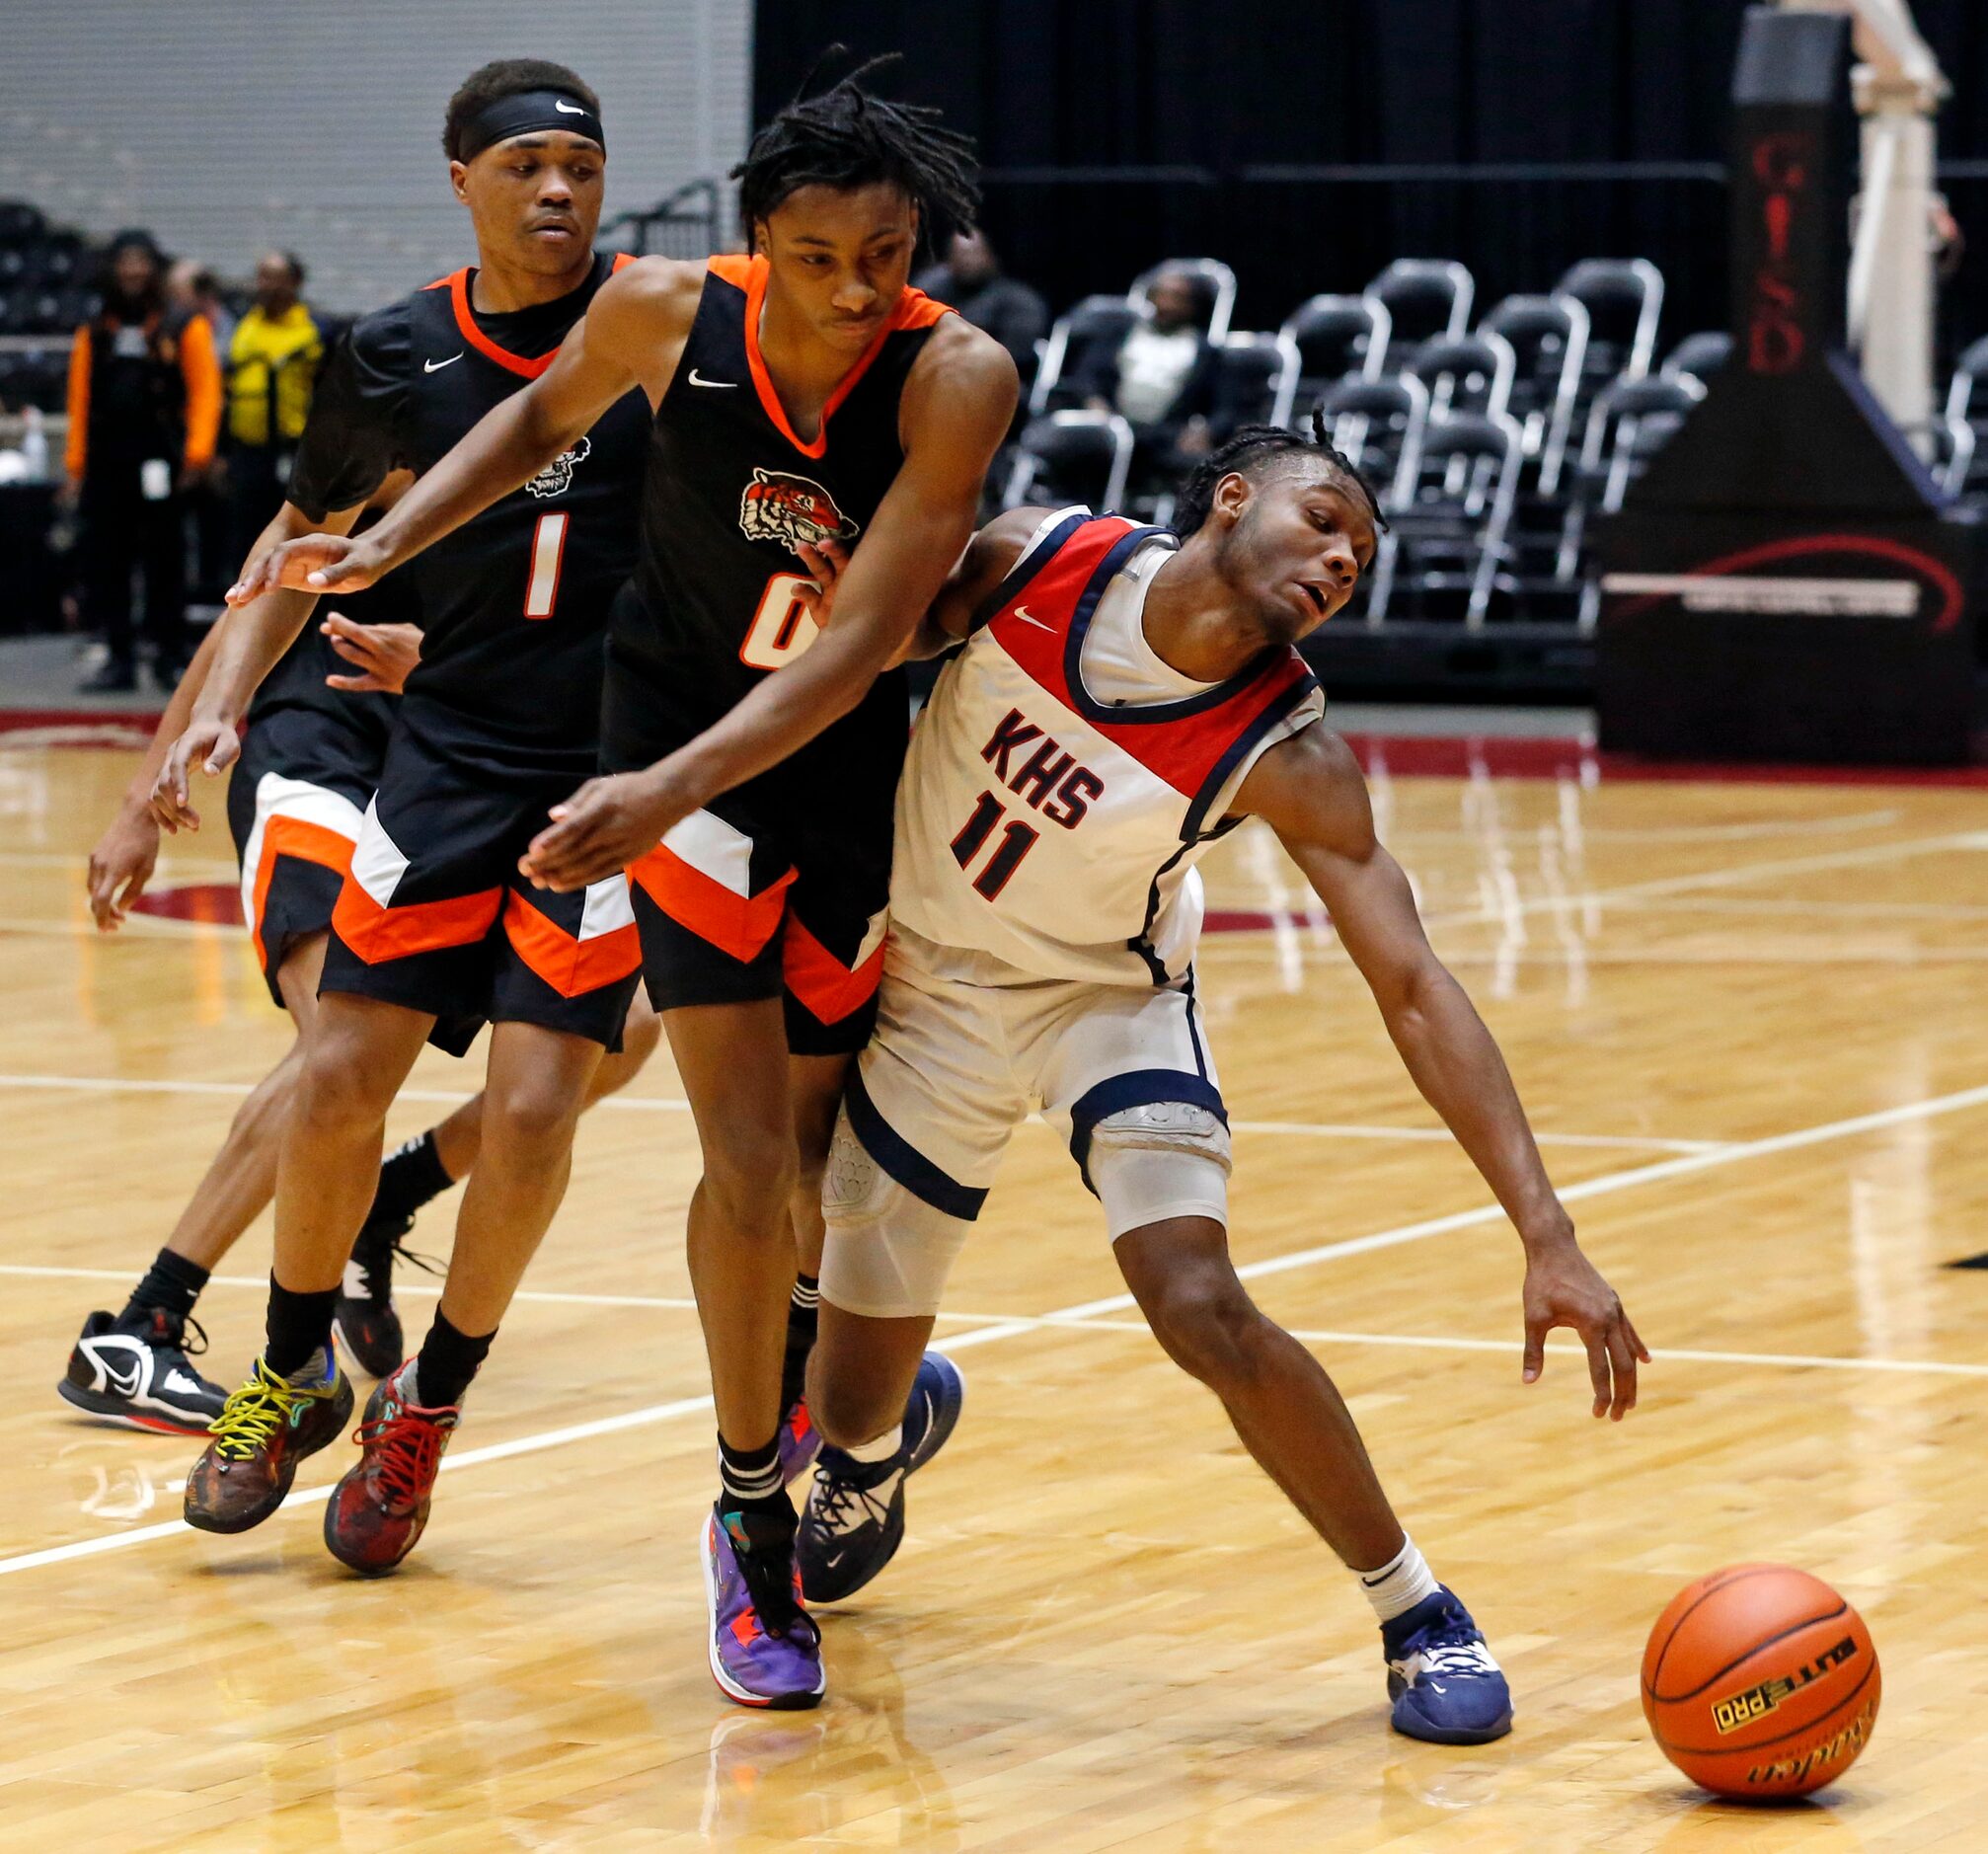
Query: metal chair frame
x=1611 y=278
x=1547 y=429
x=1210 y=271
x=1407 y=273
x=1021 y=474
x=1055 y=352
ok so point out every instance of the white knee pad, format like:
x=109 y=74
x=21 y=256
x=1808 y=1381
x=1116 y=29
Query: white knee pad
x=1166 y=1159
x=888 y=1252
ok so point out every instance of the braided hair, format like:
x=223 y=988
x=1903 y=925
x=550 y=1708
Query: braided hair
x=1248 y=450
x=846 y=137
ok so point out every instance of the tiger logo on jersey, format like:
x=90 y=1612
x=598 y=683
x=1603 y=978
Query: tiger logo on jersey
x=556 y=476
x=796 y=511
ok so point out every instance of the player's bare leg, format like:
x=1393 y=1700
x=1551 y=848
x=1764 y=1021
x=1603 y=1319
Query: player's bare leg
x=1284 y=1406
x=755 y=1107
x=134 y=1367
x=296 y=1399
x=1294 y=1422
x=534 y=1092
x=367 y=1321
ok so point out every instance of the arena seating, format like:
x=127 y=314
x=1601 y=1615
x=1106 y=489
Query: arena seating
x=1495 y=442
x=44 y=295
x=1495 y=434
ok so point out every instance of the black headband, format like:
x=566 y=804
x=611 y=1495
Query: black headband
x=523 y=111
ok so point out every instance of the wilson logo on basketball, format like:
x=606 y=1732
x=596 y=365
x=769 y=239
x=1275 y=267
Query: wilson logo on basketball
x=1728 y=1715
x=556 y=476
x=793 y=510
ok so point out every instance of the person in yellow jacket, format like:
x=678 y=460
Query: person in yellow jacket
x=144 y=411
x=272 y=368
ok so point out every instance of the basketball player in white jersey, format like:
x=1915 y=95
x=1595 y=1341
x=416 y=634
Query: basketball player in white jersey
x=1124 y=698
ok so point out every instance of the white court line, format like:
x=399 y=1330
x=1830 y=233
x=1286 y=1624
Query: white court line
x=1002 y=1324
x=304 y=1499
x=1717 y=878
x=1008 y=1327
x=664 y=1104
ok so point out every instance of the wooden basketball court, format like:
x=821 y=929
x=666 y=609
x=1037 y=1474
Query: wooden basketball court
x=1751 y=1022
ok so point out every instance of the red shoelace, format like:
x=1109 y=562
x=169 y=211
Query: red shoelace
x=407 y=1452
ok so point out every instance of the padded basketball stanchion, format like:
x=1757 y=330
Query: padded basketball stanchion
x=1786 y=581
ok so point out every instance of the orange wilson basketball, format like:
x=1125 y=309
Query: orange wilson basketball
x=1760 y=1680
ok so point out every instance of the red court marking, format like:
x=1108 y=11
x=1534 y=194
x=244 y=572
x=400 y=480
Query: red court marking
x=98 y=728
x=219 y=903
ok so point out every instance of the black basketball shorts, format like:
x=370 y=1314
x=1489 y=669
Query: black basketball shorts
x=296 y=803
x=434 y=914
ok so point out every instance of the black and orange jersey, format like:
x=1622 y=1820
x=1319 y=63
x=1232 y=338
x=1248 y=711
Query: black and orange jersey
x=731 y=488
x=514 y=603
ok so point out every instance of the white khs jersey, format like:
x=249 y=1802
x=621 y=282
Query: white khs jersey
x=1057 y=831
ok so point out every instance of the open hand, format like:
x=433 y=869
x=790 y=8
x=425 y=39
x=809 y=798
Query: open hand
x=606 y=825
x=121 y=865
x=215 y=745
x=385 y=654
x=312 y=563
x=1563 y=1287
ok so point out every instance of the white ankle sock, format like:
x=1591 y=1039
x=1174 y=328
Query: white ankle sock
x=1398 y=1585
x=880 y=1449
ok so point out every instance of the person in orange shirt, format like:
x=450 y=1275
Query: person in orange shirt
x=145 y=408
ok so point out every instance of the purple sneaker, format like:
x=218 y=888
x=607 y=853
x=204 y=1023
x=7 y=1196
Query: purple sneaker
x=765 y=1650
x=800 y=1443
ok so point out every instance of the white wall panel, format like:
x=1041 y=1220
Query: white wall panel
x=228 y=126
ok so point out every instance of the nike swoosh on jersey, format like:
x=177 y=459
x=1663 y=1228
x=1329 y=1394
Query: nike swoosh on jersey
x=436 y=366
x=1022 y=612
x=698 y=379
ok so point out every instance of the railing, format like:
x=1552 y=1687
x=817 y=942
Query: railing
x=682 y=225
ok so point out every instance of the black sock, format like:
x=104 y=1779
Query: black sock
x=449 y=1359
x=749 y=1479
x=411 y=1176
x=298 y=1325
x=172 y=1282
x=803 y=1315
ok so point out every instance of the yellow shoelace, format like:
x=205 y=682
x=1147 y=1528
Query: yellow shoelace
x=254 y=1413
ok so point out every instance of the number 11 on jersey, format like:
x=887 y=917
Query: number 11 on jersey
x=548 y=544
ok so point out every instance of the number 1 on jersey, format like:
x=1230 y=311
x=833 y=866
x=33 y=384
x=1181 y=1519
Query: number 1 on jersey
x=1017 y=840
x=548 y=544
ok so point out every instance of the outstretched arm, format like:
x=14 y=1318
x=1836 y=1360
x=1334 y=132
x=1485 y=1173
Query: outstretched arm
x=126 y=853
x=247 y=642
x=1309 y=790
x=631 y=336
x=958 y=403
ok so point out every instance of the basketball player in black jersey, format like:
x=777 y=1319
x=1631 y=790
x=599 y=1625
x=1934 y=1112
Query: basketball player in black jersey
x=434 y=931
x=310 y=759
x=804 y=396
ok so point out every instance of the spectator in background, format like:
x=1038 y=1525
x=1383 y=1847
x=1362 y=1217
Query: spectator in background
x=272 y=369
x=191 y=290
x=971 y=282
x=145 y=408
x=1164 y=377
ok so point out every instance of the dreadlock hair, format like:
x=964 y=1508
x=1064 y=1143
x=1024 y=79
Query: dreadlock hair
x=1248 y=451
x=845 y=137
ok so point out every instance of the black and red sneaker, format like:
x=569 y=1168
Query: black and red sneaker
x=378 y=1512
x=265 y=1431
x=137 y=1369
x=364 y=1318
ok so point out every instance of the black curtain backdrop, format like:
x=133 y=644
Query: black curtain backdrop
x=1186 y=123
